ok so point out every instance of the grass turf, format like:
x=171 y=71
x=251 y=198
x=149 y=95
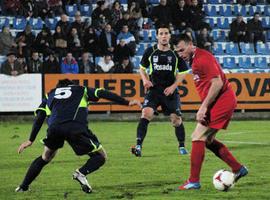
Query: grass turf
x=154 y=176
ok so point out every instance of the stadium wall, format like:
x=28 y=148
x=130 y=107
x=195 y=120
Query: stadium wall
x=23 y=93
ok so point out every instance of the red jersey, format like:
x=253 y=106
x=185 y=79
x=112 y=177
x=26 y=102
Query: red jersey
x=204 y=68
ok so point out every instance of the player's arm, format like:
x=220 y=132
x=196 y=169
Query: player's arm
x=145 y=63
x=181 y=71
x=145 y=78
x=214 y=90
x=41 y=114
x=96 y=94
x=38 y=121
x=178 y=79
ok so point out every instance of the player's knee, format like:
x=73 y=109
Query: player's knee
x=147 y=113
x=103 y=155
x=196 y=136
x=48 y=155
x=176 y=121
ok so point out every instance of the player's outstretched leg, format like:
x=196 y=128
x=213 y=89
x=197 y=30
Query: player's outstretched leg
x=221 y=151
x=141 y=133
x=96 y=160
x=33 y=171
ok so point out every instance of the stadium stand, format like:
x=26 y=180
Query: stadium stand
x=219 y=15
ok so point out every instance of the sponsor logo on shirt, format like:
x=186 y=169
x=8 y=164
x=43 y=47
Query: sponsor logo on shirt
x=162 y=67
x=155 y=58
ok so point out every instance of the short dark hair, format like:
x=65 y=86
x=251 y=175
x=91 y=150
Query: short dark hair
x=64 y=83
x=182 y=37
x=256 y=13
x=163 y=26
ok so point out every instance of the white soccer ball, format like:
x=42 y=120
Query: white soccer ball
x=223 y=180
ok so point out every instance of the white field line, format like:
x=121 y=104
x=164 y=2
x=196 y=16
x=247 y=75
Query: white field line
x=241 y=142
x=244 y=132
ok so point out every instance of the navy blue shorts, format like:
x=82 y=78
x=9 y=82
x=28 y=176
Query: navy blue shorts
x=79 y=137
x=169 y=104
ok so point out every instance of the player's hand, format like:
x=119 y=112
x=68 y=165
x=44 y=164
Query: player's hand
x=147 y=84
x=24 y=145
x=135 y=102
x=169 y=90
x=201 y=114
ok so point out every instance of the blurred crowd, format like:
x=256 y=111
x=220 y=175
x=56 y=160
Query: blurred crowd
x=111 y=34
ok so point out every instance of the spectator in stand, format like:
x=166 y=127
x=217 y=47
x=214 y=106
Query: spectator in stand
x=41 y=9
x=27 y=8
x=90 y=41
x=136 y=14
x=191 y=34
x=7 y=41
x=11 y=7
x=64 y=24
x=11 y=66
x=204 y=40
x=22 y=62
x=55 y=7
x=142 y=5
x=51 y=64
x=35 y=65
x=75 y=44
x=127 y=37
x=44 y=41
x=60 y=42
x=162 y=13
x=196 y=15
x=25 y=41
x=126 y=20
x=69 y=65
x=255 y=29
x=78 y=24
x=122 y=50
x=107 y=40
x=85 y=64
x=126 y=66
x=181 y=16
x=105 y=64
x=101 y=14
x=116 y=13
x=238 y=30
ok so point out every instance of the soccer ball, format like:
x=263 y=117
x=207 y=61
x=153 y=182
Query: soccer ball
x=223 y=180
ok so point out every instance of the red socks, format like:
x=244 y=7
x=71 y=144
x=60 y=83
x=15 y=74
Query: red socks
x=197 y=157
x=224 y=154
x=196 y=160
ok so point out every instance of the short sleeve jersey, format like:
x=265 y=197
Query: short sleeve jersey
x=162 y=66
x=68 y=104
x=204 y=68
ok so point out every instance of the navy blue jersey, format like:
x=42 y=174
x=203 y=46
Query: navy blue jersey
x=162 y=66
x=68 y=104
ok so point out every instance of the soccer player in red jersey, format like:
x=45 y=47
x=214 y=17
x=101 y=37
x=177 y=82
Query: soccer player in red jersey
x=218 y=104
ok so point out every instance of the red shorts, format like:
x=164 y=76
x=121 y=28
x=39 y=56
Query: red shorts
x=222 y=110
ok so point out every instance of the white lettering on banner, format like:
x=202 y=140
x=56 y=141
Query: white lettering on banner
x=22 y=93
x=162 y=67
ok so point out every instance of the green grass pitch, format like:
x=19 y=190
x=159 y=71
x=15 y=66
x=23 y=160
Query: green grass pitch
x=154 y=176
